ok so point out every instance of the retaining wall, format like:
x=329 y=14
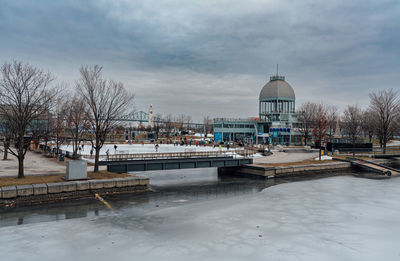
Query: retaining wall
x=40 y=193
x=292 y=171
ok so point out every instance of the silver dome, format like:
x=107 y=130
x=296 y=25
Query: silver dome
x=277 y=87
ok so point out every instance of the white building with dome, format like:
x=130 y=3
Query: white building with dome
x=276 y=121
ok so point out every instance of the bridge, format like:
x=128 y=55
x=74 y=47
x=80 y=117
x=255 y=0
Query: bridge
x=142 y=117
x=123 y=163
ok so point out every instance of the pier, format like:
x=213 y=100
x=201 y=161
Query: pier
x=177 y=160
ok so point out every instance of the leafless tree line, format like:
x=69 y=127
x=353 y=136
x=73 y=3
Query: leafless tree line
x=32 y=104
x=380 y=120
x=171 y=125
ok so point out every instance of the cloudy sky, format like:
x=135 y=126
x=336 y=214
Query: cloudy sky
x=212 y=57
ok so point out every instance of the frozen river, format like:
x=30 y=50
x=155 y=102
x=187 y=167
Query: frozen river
x=206 y=217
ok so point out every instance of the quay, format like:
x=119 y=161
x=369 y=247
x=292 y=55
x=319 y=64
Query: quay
x=373 y=166
x=291 y=171
x=12 y=196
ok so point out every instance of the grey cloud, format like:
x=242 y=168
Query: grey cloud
x=217 y=53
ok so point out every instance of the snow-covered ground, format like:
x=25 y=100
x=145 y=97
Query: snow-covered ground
x=138 y=148
x=339 y=218
x=394 y=143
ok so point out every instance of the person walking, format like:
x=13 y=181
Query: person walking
x=108 y=153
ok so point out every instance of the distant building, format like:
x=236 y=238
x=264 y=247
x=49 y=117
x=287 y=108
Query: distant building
x=276 y=122
x=151 y=116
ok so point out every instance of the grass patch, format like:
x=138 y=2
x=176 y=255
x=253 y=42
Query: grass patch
x=103 y=174
x=39 y=179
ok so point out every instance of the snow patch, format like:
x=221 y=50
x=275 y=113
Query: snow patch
x=324 y=157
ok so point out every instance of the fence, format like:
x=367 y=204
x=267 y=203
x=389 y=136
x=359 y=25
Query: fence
x=174 y=155
x=375 y=151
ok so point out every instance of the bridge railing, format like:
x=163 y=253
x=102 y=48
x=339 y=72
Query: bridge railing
x=176 y=155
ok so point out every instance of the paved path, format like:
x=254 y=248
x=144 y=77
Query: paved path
x=280 y=157
x=34 y=163
x=393 y=143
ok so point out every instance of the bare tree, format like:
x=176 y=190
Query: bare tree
x=331 y=116
x=208 y=125
x=188 y=121
x=168 y=124
x=157 y=124
x=306 y=116
x=77 y=121
x=25 y=94
x=107 y=101
x=44 y=125
x=180 y=121
x=385 y=106
x=60 y=115
x=352 y=122
x=5 y=128
x=320 y=126
x=368 y=124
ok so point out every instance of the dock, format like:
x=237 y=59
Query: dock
x=293 y=170
x=374 y=167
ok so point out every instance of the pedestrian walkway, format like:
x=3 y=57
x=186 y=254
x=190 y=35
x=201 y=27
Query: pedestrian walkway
x=282 y=157
x=35 y=163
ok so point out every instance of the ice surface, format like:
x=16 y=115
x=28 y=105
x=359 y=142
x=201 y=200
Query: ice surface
x=138 y=148
x=339 y=218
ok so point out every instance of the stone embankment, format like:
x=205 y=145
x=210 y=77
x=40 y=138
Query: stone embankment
x=293 y=171
x=42 y=193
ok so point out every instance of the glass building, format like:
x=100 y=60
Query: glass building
x=276 y=122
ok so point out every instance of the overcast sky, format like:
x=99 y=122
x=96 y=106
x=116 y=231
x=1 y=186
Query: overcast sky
x=212 y=57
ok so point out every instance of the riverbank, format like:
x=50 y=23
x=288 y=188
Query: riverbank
x=292 y=170
x=337 y=218
x=32 y=194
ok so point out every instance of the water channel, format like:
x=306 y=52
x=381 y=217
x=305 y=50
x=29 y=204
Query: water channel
x=200 y=215
x=169 y=188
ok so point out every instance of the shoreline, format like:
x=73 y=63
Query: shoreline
x=36 y=194
x=24 y=195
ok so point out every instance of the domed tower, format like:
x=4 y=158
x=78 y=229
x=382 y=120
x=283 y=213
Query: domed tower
x=277 y=100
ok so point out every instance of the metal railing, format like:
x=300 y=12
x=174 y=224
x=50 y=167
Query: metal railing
x=174 y=155
x=369 y=151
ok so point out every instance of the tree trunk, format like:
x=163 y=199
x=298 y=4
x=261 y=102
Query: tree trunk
x=6 y=146
x=20 y=168
x=21 y=156
x=5 y=154
x=320 y=152
x=96 y=160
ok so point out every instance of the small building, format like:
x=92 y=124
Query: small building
x=276 y=122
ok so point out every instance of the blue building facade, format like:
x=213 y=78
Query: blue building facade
x=276 y=122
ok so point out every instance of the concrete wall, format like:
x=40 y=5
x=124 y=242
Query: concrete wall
x=13 y=195
x=291 y=171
